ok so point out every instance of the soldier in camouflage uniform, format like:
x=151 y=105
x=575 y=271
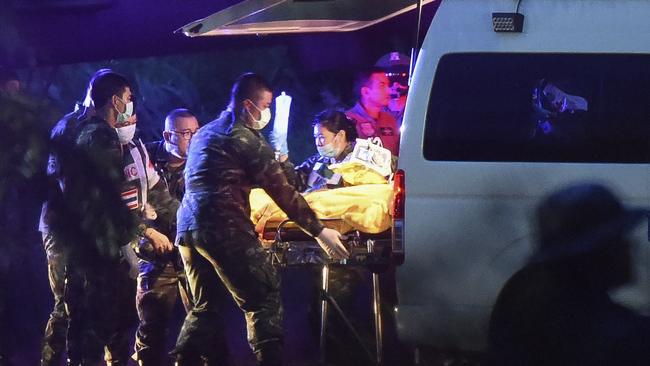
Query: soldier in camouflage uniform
x=106 y=186
x=227 y=158
x=161 y=278
x=61 y=142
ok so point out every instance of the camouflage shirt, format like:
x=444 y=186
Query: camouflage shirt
x=226 y=160
x=96 y=221
x=60 y=157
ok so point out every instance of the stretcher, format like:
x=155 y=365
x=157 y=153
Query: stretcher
x=361 y=213
x=288 y=245
x=356 y=208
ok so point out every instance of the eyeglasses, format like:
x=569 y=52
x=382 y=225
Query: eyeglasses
x=186 y=134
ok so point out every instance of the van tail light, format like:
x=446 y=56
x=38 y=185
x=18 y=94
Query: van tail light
x=397 y=235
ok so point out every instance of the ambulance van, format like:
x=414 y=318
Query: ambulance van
x=509 y=101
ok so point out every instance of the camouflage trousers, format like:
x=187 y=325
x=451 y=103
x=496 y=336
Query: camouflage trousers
x=54 y=340
x=159 y=285
x=246 y=271
x=99 y=303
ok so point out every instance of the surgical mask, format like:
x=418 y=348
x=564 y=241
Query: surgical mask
x=328 y=150
x=174 y=150
x=126 y=133
x=265 y=118
x=128 y=112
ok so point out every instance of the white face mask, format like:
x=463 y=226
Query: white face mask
x=174 y=150
x=128 y=112
x=265 y=118
x=126 y=133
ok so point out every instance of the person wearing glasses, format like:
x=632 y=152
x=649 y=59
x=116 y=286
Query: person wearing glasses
x=169 y=154
x=161 y=277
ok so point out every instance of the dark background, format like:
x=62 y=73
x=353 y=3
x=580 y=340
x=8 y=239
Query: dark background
x=55 y=50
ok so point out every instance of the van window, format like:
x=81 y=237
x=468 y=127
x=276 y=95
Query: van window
x=591 y=108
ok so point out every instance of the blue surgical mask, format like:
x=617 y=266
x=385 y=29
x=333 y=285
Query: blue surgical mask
x=328 y=150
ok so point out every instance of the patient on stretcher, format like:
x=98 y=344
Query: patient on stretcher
x=334 y=137
x=362 y=196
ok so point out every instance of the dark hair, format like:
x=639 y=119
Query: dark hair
x=362 y=78
x=178 y=113
x=104 y=84
x=334 y=121
x=247 y=86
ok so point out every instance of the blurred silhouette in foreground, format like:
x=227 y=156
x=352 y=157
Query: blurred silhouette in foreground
x=557 y=310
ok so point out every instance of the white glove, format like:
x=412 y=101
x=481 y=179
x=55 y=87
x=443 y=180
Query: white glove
x=159 y=241
x=330 y=241
x=281 y=124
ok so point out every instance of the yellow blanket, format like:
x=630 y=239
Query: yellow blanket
x=364 y=207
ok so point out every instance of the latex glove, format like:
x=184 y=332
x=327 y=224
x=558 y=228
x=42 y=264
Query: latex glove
x=159 y=241
x=279 y=142
x=281 y=123
x=330 y=241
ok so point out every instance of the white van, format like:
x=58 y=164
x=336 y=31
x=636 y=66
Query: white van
x=495 y=121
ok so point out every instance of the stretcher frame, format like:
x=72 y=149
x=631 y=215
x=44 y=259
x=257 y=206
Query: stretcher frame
x=371 y=251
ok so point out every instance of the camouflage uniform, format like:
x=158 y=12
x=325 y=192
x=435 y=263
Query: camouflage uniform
x=54 y=339
x=227 y=159
x=161 y=279
x=90 y=221
x=100 y=218
x=142 y=190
